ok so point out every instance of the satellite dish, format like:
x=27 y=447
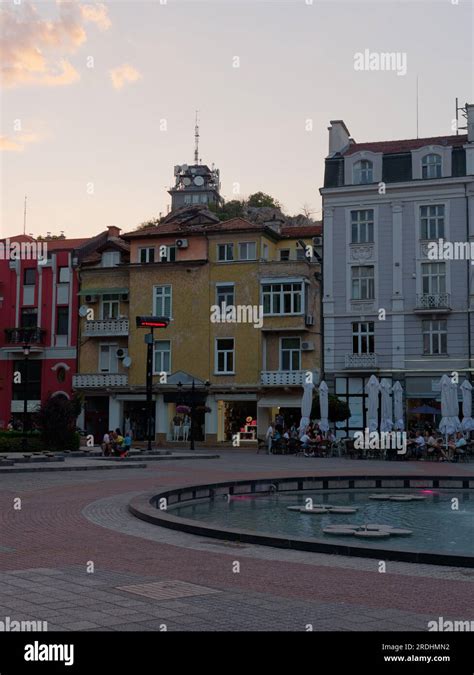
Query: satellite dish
x=187 y=181
x=184 y=167
x=83 y=309
x=199 y=180
x=193 y=169
x=127 y=362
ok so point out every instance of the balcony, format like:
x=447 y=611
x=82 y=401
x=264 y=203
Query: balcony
x=361 y=361
x=282 y=378
x=99 y=381
x=19 y=336
x=433 y=302
x=106 y=328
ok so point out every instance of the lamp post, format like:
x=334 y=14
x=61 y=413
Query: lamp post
x=151 y=322
x=193 y=409
x=26 y=353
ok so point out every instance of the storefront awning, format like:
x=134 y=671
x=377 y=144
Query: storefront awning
x=280 y=401
x=103 y=291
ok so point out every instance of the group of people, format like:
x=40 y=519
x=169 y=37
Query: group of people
x=430 y=444
x=278 y=435
x=113 y=443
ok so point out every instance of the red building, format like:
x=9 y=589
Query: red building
x=39 y=286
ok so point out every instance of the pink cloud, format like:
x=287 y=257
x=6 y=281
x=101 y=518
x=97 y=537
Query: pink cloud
x=124 y=74
x=17 y=142
x=33 y=49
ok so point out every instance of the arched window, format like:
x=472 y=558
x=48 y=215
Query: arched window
x=431 y=166
x=363 y=172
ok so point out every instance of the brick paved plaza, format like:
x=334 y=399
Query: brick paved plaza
x=147 y=578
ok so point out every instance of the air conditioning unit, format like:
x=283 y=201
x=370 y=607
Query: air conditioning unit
x=307 y=346
x=309 y=320
x=91 y=298
x=124 y=297
x=121 y=353
x=182 y=243
x=317 y=241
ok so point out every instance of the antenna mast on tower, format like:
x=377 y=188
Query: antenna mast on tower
x=463 y=110
x=196 y=139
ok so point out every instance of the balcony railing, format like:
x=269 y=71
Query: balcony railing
x=284 y=377
x=433 y=301
x=31 y=336
x=361 y=361
x=106 y=327
x=99 y=381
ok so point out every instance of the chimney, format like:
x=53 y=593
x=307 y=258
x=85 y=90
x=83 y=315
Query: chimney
x=339 y=137
x=113 y=231
x=470 y=122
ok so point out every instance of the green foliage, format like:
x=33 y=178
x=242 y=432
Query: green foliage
x=18 y=434
x=338 y=410
x=260 y=199
x=57 y=422
x=12 y=442
x=232 y=209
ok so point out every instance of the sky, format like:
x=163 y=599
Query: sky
x=98 y=100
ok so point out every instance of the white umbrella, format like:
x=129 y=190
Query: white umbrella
x=323 y=406
x=449 y=407
x=306 y=404
x=467 y=421
x=372 y=388
x=398 y=406
x=386 y=421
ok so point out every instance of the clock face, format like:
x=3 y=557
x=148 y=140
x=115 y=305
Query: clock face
x=199 y=180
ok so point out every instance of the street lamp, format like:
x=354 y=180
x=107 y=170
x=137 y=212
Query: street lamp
x=192 y=405
x=26 y=353
x=151 y=322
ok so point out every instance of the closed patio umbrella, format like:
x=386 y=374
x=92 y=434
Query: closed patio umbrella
x=386 y=421
x=372 y=388
x=467 y=421
x=449 y=407
x=398 y=406
x=306 y=404
x=323 y=406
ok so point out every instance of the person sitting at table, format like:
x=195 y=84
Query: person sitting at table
x=435 y=448
x=306 y=445
x=457 y=447
x=419 y=445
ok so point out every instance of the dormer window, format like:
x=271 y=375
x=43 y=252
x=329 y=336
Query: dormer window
x=431 y=166
x=110 y=258
x=363 y=172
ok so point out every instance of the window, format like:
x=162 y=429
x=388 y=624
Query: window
x=435 y=337
x=225 y=295
x=29 y=318
x=61 y=374
x=29 y=276
x=167 y=253
x=110 y=306
x=187 y=199
x=362 y=226
x=433 y=277
x=290 y=354
x=64 y=275
x=162 y=303
x=285 y=254
x=110 y=258
x=283 y=298
x=301 y=254
x=363 y=172
x=162 y=356
x=146 y=255
x=247 y=250
x=225 y=252
x=432 y=221
x=224 y=355
x=195 y=199
x=62 y=321
x=264 y=251
x=204 y=199
x=32 y=383
x=363 y=283
x=431 y=166
x=108 y=361
x=363 y=337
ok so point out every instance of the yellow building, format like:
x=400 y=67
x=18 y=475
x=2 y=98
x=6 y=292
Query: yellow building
x=244 y=308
